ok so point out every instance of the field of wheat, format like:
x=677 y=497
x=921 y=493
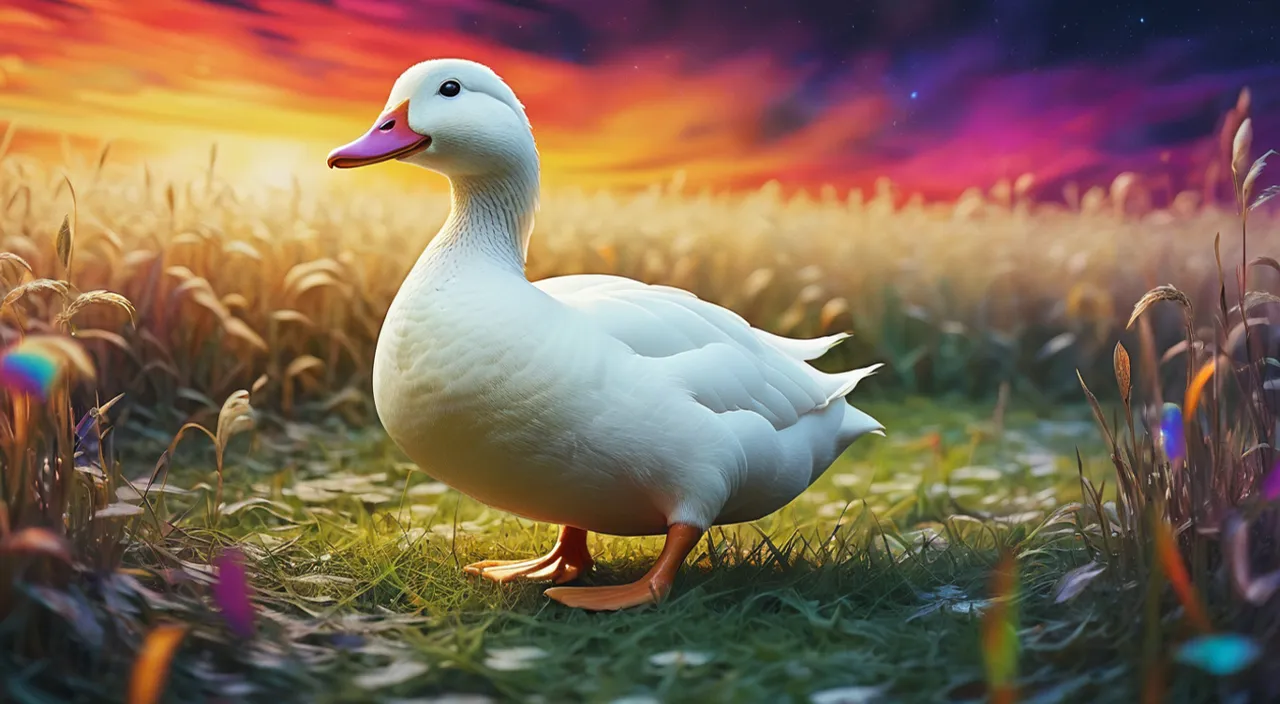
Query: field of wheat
x=232 y=286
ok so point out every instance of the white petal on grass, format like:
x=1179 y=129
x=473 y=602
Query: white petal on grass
x=893 y=487
x=428 y=489
x=237 y=507
x=447 y=531
x=1044 y=470
x=834 y=508
x=118 y=510
x=847 y=695
x=511 y=659
x=1075 y=581
x=976 y=474
x=346 y=483
x=134 y=491
x=150 y=487
x=684 y=658
x=1020 y=518
x=310 y=495
x=393 y=674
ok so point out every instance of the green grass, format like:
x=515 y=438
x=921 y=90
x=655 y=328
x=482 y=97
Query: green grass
x=875 y=578
x=874 y=581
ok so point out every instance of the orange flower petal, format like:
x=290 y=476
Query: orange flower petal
x=1176 y=571
x=1196 y=388
x=151 y=669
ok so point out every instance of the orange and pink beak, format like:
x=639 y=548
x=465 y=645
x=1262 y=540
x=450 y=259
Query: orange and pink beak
x=389 y=138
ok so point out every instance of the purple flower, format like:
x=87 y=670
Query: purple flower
x=1271 y=484
x=231 y=592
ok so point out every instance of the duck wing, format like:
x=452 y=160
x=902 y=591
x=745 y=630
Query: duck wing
x=724 y=362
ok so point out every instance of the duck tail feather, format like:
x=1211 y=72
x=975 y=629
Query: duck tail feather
x=847 y=381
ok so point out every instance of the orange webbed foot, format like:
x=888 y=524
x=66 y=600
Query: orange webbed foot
x=568 y=560
x=650 y=589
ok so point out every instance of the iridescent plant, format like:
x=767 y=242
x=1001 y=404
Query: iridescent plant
x=36 y=365
x=1221 y=654
x=1000 y=646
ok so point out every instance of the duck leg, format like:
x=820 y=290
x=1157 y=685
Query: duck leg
x=649 y=589
x=567 y=560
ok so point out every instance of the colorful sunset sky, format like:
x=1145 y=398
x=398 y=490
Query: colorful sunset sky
x=938 y=95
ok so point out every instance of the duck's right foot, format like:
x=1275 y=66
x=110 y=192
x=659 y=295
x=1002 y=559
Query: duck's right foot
x=650 y=589
x=567 y=561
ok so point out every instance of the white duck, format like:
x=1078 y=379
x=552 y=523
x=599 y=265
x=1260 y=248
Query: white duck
x=594 y=402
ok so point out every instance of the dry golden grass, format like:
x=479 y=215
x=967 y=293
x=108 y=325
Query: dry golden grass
x=227 y=285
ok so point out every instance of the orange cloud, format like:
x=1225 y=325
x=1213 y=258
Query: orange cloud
x=277 y=83
x=169 y=77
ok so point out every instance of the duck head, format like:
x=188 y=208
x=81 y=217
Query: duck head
x=452 y=116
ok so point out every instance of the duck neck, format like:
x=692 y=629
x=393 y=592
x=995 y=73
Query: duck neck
x=490 y=217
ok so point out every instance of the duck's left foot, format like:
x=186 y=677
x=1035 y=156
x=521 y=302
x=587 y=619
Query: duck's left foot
x=566 y=562
x=649 y=589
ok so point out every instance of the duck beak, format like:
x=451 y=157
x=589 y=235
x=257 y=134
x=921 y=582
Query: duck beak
x=389 y=138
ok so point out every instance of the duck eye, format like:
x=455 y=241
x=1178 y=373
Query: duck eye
x=450 y=88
